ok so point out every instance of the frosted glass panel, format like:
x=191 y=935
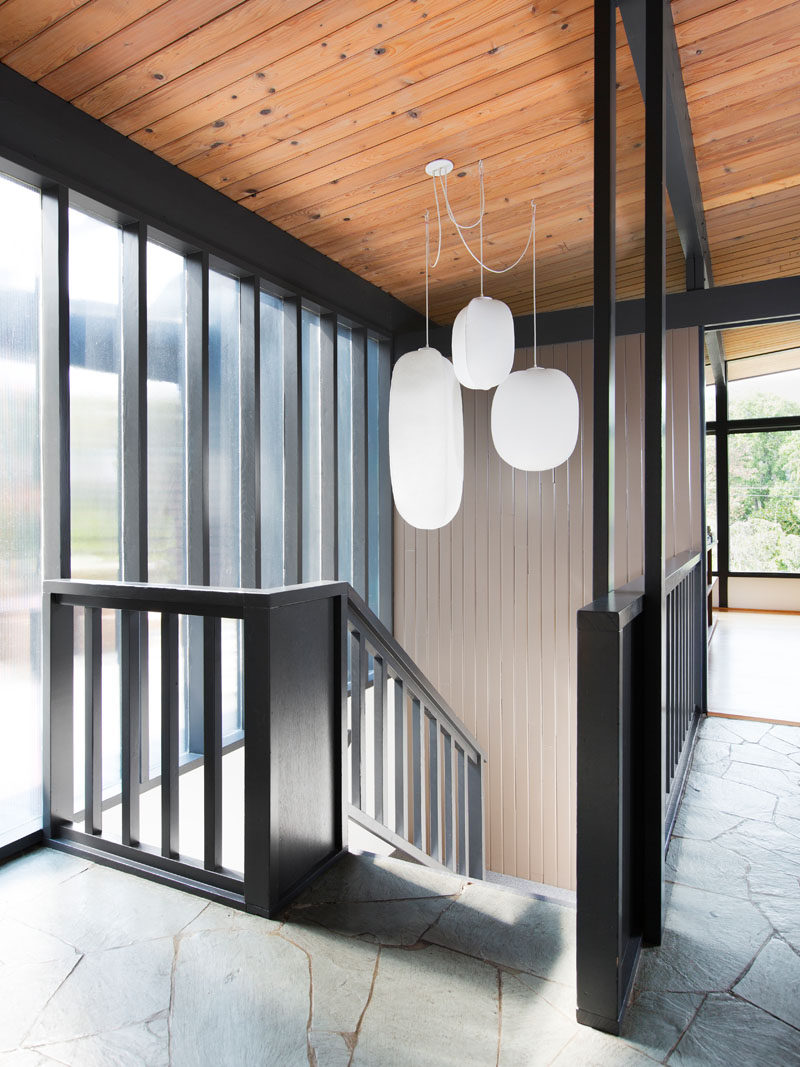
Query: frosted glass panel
x=223 y=476
x=223 y=426
x=344 y=431
x=166 y=415
x=20 y=514
x=312 y=445
x=272 y=498
x=95 y=250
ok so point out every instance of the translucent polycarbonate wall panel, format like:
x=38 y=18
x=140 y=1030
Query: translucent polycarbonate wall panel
x=311 y=467
x=95 y=343
x=20 y=513
x=373 y=477
x=272 y=495
x=166 y=415
x=223 y=429
x=344 y=392
x=224 y=458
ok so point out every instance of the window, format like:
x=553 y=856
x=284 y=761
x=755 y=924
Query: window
x=311 y=414
x=767 y=396
x=344 y=393
x=764 y=501
x=20 y=513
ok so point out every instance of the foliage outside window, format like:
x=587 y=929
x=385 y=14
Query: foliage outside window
x=764 y=488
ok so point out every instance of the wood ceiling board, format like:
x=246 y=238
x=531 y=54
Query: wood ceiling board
x=744 y=119
x=381 y=121
x=23 y=19
x=309 y=42
x=169 y=22
x=756 y=366
x=400 y=106
x=74 y=34
x=450 y=134
x=763 y=339
x=742 y=43
x=695 y=21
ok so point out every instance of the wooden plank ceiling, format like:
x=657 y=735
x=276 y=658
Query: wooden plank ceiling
x=321 y=116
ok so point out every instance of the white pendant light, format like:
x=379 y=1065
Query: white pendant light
x=426 y=439
x=483 y=343
x=426 y=430
x=535 y=418
x=535 y=412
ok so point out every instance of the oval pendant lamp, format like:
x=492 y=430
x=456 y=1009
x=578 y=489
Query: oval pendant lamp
x=426 y=439
x=483 y=343
x=535 y=418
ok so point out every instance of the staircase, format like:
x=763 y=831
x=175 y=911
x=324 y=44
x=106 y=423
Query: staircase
x=339 y=724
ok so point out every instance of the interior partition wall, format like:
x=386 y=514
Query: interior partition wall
x=200 y=424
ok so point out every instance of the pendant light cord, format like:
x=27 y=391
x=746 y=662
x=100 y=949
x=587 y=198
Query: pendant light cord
x=533 y=237
x=427 y=270
x=478 y=222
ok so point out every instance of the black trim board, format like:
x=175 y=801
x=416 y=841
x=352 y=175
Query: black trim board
x=723 y=307
x=45 y=135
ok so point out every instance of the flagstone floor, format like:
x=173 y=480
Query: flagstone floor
x=386 y=963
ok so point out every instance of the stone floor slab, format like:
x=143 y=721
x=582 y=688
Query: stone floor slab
x=768 y=779
x=25 y=991
x=703 y=824
x=510 y=930
x=37 y=872
x=532 y=1031
x=708 y=941
x=386 y=922
x=761 y=756
x=430 y=1006
x=727 y=1030
x=143 y=1045
x=655 y=1022
x=370 y=878
x=107 y=990
x=20 y=943
x=342 y=971
x=591 y=1048
x=789 y=734
x=705 y=790
x=133 y=909
x=239 y=1000
x=707 y=865
x=773 y=982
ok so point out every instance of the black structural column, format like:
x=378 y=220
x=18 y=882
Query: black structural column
x=723 y=507
x=605 y=282
x=654 y=674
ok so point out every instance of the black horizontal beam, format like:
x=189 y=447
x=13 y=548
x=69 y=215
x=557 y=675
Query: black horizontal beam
x=53 y=140
x=723 y=307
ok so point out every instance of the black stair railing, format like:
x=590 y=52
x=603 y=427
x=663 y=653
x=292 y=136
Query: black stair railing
x=412 y=775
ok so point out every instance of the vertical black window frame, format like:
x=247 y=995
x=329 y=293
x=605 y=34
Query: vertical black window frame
x=374 y=546
x=386 y=530
x=292 y=442
x=329 y=443
x=359 y=469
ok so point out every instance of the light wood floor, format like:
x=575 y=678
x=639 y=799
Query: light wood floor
x=754 y=666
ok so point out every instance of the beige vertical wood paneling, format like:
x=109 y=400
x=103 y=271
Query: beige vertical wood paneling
x=488 y=605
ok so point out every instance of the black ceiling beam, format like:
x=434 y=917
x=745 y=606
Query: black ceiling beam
x=723 y=307
x=49 y=138
x=682 y=178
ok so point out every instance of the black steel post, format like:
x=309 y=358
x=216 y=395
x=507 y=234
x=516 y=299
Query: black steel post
x=654 y=673
x=605 y=196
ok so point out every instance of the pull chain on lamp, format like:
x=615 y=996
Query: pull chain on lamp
x=426 y=430
x=535 y=412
